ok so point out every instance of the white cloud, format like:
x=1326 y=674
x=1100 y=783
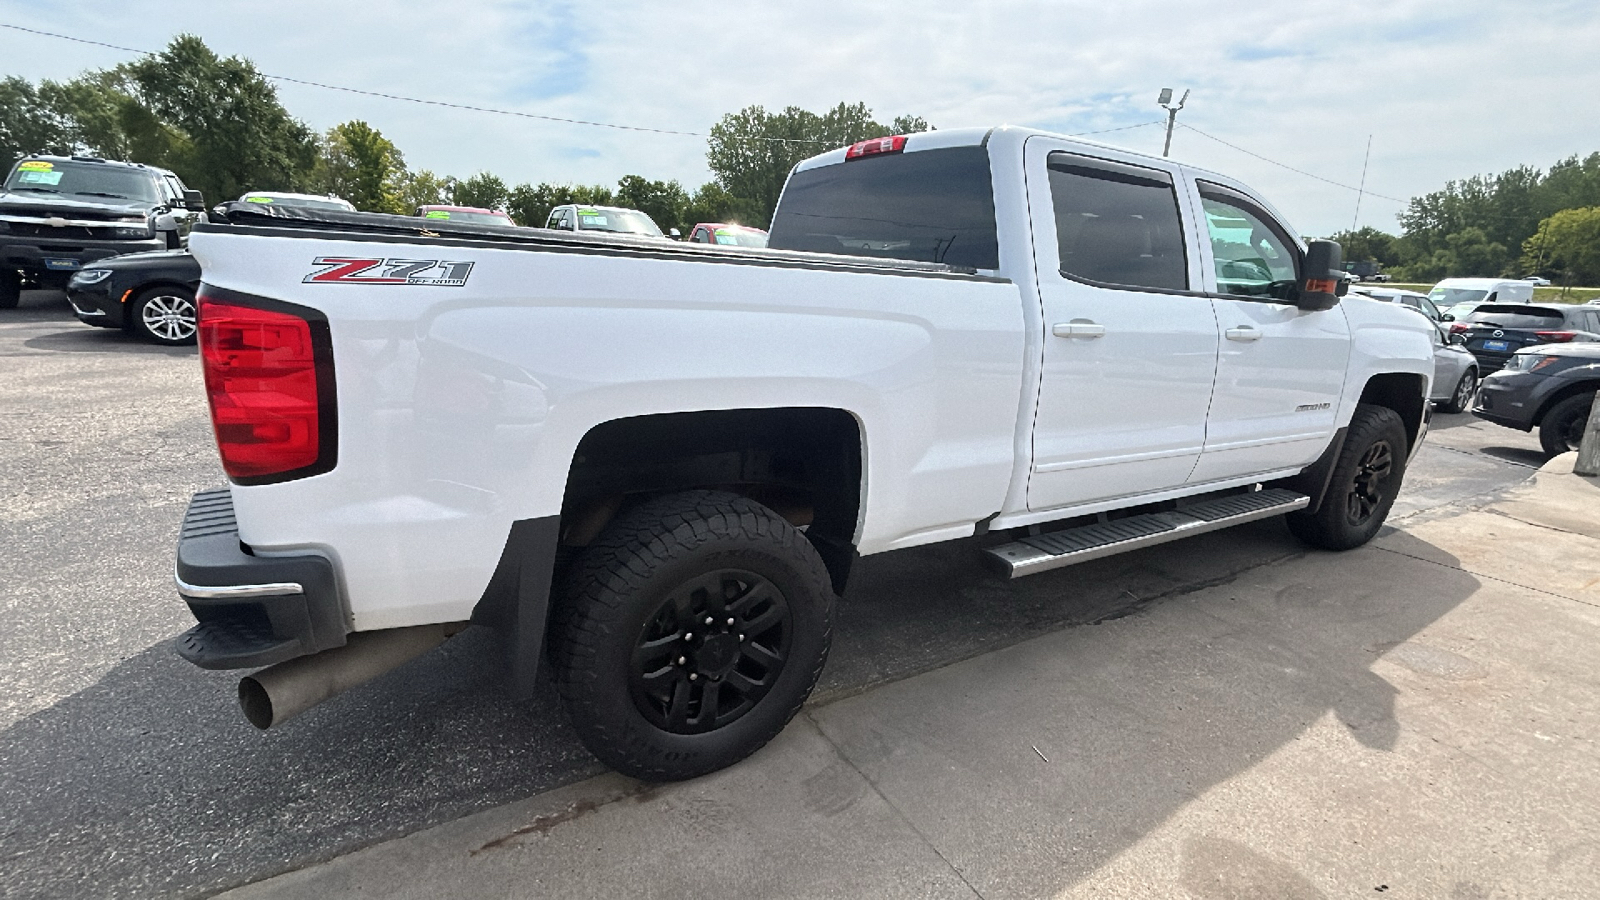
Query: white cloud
x=1445 y=91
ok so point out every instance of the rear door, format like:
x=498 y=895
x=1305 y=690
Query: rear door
x=1130 y=342
x=1280 y=369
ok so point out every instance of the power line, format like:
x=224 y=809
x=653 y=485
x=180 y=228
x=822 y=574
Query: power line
x=1289 y=167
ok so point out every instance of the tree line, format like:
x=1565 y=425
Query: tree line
x=218 y=123
x=1520 y=222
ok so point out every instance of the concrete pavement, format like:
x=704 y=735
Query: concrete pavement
x=1414 y=719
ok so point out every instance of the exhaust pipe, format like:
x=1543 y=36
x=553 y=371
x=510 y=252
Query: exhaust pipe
x=278 y=693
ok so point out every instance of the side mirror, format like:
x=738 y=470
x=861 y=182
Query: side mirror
x=675 y=234
x=193 y=201
x=1321 y=282
x=1446 y=317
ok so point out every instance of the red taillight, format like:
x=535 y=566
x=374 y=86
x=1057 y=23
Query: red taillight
x=269 y=380
x=1556 y=337
x=1457 y=328
x=876 y=146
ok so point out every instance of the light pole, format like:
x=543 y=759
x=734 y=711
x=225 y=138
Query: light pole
x=1165 y=101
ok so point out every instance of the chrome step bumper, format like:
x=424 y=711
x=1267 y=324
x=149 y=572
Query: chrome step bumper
x=1043 y=552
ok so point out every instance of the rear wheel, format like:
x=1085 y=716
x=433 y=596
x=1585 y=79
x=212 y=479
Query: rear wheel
x=1365 y=481
x=10 y=289
x=1561 y=429
x=1465 y=388
x=166 y=315
x=693 y=630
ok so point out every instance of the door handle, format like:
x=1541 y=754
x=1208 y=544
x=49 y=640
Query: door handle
x=1078 y=328
x=1243 y=333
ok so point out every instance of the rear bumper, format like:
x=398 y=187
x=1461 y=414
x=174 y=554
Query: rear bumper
x=252 y=610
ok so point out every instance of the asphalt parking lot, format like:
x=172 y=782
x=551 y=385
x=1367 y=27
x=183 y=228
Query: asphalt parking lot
x=128 y=772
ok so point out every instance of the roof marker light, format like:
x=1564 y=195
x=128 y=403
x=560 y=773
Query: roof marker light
x=876 y=147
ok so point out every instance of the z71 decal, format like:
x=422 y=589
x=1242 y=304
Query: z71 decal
x=349 y=270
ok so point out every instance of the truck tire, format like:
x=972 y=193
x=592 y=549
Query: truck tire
x=166 y=315
x=1561 y=429
x=10 y=289
x=1365 y=481
x=692 y=631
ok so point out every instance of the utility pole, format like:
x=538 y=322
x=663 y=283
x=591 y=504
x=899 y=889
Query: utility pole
x=1165 y=102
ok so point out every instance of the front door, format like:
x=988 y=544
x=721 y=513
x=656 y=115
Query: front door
x=1130 y=342
x=1280 y=369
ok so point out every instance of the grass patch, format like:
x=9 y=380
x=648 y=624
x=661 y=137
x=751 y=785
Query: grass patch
x=1540 y=294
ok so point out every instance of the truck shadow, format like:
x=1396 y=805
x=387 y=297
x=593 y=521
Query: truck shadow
x=149 y=781
x=88 y=339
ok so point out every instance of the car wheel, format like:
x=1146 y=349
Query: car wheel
x=1461 y=400
x=692 y=631
x=166 y=315
x=10 y=289
x=1561 y=429
x=1365 y=480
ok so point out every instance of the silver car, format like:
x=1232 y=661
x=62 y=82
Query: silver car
x=1455 y=372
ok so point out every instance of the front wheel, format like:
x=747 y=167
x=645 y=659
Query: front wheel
x=10 y=289
x=1363 y=486
x=1561 y=429
x=1465 y=388
x=693 y=630
x=166 y=315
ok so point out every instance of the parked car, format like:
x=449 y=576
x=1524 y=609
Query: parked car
x=1549 y=388
x=1455 y=372
x=978 y=331
x=472 y=215
x=59 y=213
x=1452 y=291
x=607 y=219
x=727 y=235
x=308 y=201
x=1494 y=332
x=1536 y=281
x=1409 y=299
x=148 y=294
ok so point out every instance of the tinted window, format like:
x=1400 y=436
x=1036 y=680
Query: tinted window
x=1453 y=296
x=1252 y=254
x=1515 y=317
x=928 y=206
x=1117 y=224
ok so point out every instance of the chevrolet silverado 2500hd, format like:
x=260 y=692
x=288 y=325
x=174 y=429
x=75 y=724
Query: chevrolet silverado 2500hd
x=660 y=460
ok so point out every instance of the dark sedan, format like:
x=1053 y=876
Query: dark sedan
x=1549 y=388
x=1495 y=331
x=149 y=294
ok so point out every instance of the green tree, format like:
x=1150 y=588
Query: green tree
x=663 y=201
x=713 y=203
x=1368 y=244
x=361 y=165
x=530 y=204
x=1568 y=242
x=239 y=136
x=423 y=188
x=752 y=151
x=28 y=125
x=481 y=190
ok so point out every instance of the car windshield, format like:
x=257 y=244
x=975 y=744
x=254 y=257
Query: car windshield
x=931 y=206
x=618 y=221
x=303 y=202
x=1452 y=296
x=739 y=237
x=471 y=218
x=1515 y=317
x=106 y=182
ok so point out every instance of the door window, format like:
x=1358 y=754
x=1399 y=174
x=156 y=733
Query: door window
x=1253 y=255
x=1117 y=224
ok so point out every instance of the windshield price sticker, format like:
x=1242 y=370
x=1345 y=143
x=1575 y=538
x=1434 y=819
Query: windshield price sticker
x=35 y=166
x=258 y=199
x=350 y=270
x=36 y=176
x=437 y=214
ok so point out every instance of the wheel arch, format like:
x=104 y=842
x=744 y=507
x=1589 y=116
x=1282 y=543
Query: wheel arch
x=1571 y=390
x=1404 y=392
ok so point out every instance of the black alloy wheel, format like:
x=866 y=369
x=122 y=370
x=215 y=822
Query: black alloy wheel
x=1362 y=488
x=711 y=651
x=691 y=632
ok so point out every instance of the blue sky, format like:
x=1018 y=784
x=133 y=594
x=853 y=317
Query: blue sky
x=1444 y=90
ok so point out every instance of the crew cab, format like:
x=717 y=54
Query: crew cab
x=661 y=460
x=58 y=213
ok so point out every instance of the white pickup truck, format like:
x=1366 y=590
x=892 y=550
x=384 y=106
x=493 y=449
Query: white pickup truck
x=660 y=460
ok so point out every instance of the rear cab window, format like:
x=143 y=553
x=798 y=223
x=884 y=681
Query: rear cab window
x=1117 y=224
x=933 y=206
